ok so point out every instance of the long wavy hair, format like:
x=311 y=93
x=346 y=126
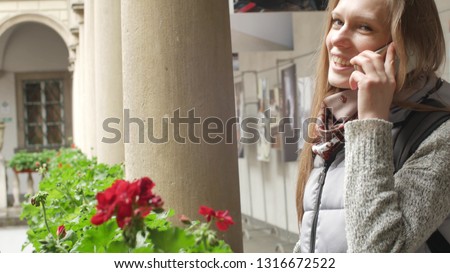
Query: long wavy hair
x=419 y=42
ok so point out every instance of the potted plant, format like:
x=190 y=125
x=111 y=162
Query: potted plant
x=28 y=162
x=87 y=207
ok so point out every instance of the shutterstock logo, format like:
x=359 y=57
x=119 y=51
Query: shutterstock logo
x=194 y=129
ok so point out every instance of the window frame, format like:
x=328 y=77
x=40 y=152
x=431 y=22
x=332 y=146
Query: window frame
x=20 y=78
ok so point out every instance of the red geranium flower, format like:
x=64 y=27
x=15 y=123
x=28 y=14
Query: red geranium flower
x=61 y=232
x=144 y=188
x=124 y=215
x=126 y=200
x=224 y=220
x=157 y=202
x=207 y=212
x=106 y=205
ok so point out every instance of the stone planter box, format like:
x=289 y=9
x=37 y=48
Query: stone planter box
x=16 y=185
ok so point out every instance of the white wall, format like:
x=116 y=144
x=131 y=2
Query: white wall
x=8 y=97
x=55 y=9
x=268 y=188
x=271 y=27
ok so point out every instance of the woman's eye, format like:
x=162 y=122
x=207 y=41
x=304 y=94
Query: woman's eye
x=337 y=23
x=365 y=28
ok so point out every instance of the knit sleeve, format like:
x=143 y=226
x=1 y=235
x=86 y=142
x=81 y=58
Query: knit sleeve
x=387 y=213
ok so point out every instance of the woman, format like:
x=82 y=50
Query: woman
x=378 y=60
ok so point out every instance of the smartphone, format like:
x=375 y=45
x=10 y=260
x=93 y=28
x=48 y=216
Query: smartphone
x=382 y=51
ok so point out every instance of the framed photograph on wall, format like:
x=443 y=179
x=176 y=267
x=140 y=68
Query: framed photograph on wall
x=263 y=145
x=290 y=114
x=275 y=113
x=305 y=91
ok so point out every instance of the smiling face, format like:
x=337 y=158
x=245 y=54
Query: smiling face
x=356 y=26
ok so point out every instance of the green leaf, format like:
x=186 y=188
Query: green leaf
x=158 y=221
x=172 y=240
x=221 y=248
x=98 y=238
x=118 y=247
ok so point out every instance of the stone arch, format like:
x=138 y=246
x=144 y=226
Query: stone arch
x=8 y=24
x=37 y=18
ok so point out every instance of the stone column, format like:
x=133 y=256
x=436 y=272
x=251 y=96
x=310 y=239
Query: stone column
x=76 y=20
x=16 y=189
x=108 y=81
x=3 y=190
x=77 y=93
x=177 y=56
x=89 y=127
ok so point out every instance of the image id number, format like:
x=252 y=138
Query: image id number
x=296 y=263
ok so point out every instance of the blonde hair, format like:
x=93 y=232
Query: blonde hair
x=419 y=42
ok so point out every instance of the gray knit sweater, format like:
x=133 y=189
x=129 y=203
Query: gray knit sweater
x=386 y=213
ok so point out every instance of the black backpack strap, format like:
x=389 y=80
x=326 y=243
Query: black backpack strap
x=437 y=243
x=415 y=129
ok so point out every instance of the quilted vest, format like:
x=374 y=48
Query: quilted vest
x=323 y=224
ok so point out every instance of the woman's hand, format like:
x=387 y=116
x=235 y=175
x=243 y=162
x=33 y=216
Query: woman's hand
x=375 y=81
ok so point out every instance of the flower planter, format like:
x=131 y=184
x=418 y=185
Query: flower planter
x=16 y=185
x=24 y=171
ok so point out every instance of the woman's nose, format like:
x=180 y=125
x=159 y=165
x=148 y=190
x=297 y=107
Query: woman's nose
x=341 y=37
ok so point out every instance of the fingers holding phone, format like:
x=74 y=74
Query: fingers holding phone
x=374 y=78
x=390 y=62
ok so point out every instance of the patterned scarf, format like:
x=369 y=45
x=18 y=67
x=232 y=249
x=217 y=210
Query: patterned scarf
x=337 y=109
x=341 y=107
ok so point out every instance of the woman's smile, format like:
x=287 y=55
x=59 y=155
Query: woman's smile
x=340 y=63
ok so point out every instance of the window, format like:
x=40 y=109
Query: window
x=43 y=104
